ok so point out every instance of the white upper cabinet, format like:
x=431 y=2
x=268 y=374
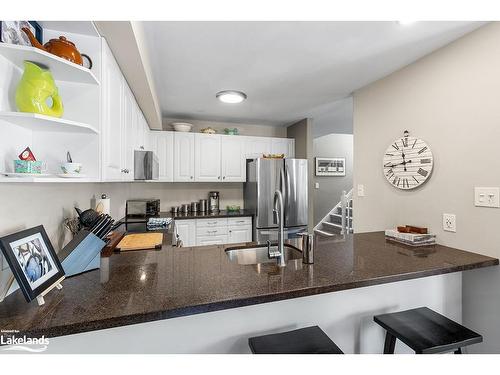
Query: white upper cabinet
x=233 y=158
x=207 y=158
x=256 y=146
x=112 y=117
x=164 y=149
x=183 y=157
x=283 y=146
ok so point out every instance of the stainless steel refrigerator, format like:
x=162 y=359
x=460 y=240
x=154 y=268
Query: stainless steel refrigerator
x=264 y=177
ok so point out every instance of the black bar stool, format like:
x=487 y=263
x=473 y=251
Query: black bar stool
x=425 y=331
x=310 y=340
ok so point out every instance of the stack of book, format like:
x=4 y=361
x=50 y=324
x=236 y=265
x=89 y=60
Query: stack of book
x=411 y=239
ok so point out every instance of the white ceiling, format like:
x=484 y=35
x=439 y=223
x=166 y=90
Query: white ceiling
x=289 y=70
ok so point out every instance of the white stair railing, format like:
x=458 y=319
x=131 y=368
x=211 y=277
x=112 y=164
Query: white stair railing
x=343 y=203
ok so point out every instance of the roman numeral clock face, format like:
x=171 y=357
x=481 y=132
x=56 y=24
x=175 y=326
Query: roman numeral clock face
x=407 y=163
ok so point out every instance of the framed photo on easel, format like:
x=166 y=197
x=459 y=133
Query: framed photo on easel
x=33 y=262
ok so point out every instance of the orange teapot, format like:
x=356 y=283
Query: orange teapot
x=60 y=47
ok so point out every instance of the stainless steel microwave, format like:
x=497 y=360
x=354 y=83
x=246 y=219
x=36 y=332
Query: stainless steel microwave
x=146 y=165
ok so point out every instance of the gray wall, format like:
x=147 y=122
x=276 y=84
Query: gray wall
x=302 y=133
x=330 y=188
x=451 y=99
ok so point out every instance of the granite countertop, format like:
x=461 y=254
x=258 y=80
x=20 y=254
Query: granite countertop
x=141 y=286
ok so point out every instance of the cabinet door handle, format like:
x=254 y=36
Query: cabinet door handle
x=218 y=178
x=224 y=177
x=191 y=177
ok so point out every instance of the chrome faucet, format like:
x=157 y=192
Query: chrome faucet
x=278 y=216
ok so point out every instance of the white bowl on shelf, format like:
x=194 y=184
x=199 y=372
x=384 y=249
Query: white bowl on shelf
x=182 y=126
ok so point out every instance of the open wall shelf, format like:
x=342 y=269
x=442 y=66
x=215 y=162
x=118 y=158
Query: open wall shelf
x=47 y=179
x=36 y=122
x=61 y=69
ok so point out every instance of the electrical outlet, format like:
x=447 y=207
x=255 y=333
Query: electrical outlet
x=316 y=185
x=449 y=222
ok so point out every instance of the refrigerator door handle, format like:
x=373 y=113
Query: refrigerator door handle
x=287 y=190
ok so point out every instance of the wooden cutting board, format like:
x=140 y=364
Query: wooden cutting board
x=141 y=241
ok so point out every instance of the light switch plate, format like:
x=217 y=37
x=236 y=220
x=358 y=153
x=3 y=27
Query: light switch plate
x=449 y=222
x=361 y=190
x=487 y=197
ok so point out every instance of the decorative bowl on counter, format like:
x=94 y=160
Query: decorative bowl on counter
x=232 y=208
x=208 y=130
x=182 y=126
x=233 y=131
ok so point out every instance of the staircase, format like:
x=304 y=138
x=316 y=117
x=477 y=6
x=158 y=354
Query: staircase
x=339 y=219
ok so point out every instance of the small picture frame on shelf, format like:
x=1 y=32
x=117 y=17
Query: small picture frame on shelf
x=33 y=261
x=330 y=167
x=11 y=32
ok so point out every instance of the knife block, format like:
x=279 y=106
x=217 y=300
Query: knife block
x=81 y=254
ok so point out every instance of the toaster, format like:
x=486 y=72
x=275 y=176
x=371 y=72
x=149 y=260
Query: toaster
x=142 y=207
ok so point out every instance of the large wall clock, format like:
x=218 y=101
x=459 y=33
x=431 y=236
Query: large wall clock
x=408 y=162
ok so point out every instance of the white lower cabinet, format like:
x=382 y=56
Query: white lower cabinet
x=220 y=231
x=186 y=230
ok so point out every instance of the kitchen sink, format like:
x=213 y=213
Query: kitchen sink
x=258 y=254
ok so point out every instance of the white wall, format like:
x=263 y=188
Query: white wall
x=346 y=317
x=330 y=188
x=451 y=99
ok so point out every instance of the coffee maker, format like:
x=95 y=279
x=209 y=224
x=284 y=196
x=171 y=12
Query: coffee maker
x=213 y=201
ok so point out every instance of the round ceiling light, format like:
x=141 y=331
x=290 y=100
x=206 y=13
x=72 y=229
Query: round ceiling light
x=231 y=96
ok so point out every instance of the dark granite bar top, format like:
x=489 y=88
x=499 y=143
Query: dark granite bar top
x=141 y=286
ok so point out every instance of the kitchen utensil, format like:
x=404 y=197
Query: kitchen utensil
x=203 y=205
x=36 y=90
x=194 y=206
x=185 y=208
x=61 y=47
x=141 y=241
x=182 y=126
x=213 y=198
x=71 y=168
x=307 y=248
x=88 y=217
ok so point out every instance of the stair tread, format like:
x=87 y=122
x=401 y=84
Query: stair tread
x=325 y=233
x=332 y=224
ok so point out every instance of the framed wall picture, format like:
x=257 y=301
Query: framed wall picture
x=32 y=260
x=11 y=33
x=330 y=167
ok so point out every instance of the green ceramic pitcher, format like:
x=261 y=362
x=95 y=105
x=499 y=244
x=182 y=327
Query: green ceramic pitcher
x=37 y=92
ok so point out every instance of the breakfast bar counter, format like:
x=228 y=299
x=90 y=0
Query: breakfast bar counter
x=149 y=285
